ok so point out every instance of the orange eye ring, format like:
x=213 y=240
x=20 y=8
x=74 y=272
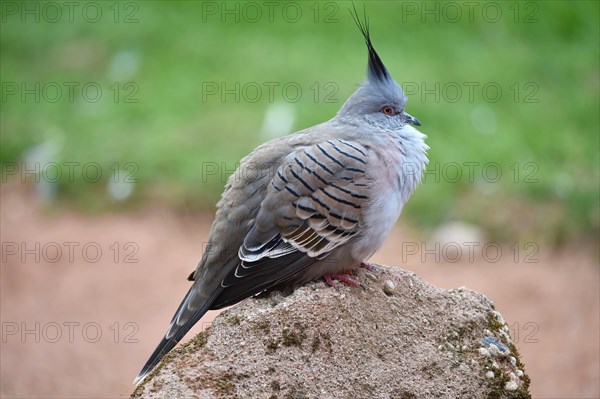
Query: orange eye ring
x=387 y=110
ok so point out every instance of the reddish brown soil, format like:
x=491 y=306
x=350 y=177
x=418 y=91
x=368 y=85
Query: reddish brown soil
x=553 y=305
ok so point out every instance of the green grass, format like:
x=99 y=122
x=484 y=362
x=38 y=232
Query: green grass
x=171 y=134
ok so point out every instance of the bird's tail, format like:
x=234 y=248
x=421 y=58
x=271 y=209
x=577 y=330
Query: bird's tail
x=191 y=309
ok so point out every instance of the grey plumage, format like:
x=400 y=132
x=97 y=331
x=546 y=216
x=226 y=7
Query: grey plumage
x=320 y=201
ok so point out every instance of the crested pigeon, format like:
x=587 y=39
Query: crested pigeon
x=315 y=203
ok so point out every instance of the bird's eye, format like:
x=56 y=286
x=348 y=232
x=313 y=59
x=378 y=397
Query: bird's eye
x=388 y=110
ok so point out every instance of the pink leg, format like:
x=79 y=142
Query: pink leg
x=340 y=277
x=329 y=281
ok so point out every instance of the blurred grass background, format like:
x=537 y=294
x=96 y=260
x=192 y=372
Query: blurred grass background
x=166 y=51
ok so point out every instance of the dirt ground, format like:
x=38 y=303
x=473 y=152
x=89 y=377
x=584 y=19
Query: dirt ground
x=85 y=299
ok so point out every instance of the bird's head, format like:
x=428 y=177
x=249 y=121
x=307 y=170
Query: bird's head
x=379 y=100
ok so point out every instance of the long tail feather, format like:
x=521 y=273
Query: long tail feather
x=181 y=323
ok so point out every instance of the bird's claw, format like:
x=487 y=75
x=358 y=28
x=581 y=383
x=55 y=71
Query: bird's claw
x=341 y=277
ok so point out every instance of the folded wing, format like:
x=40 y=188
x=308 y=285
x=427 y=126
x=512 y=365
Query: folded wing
x=314 y=204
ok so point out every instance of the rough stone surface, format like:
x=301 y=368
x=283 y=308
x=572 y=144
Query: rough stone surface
x=403 y=340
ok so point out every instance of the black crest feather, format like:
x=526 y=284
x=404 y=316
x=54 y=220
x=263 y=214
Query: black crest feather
x=377 y=70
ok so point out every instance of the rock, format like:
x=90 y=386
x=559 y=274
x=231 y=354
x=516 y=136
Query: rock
x=511 y=386
x=389 y=287
x=355 y=342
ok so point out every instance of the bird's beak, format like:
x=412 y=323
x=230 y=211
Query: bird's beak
x=411 y=120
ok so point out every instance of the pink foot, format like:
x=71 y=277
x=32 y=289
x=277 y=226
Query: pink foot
x=340 y=277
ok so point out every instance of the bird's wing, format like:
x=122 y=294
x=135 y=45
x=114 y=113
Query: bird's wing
x=314 y=204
